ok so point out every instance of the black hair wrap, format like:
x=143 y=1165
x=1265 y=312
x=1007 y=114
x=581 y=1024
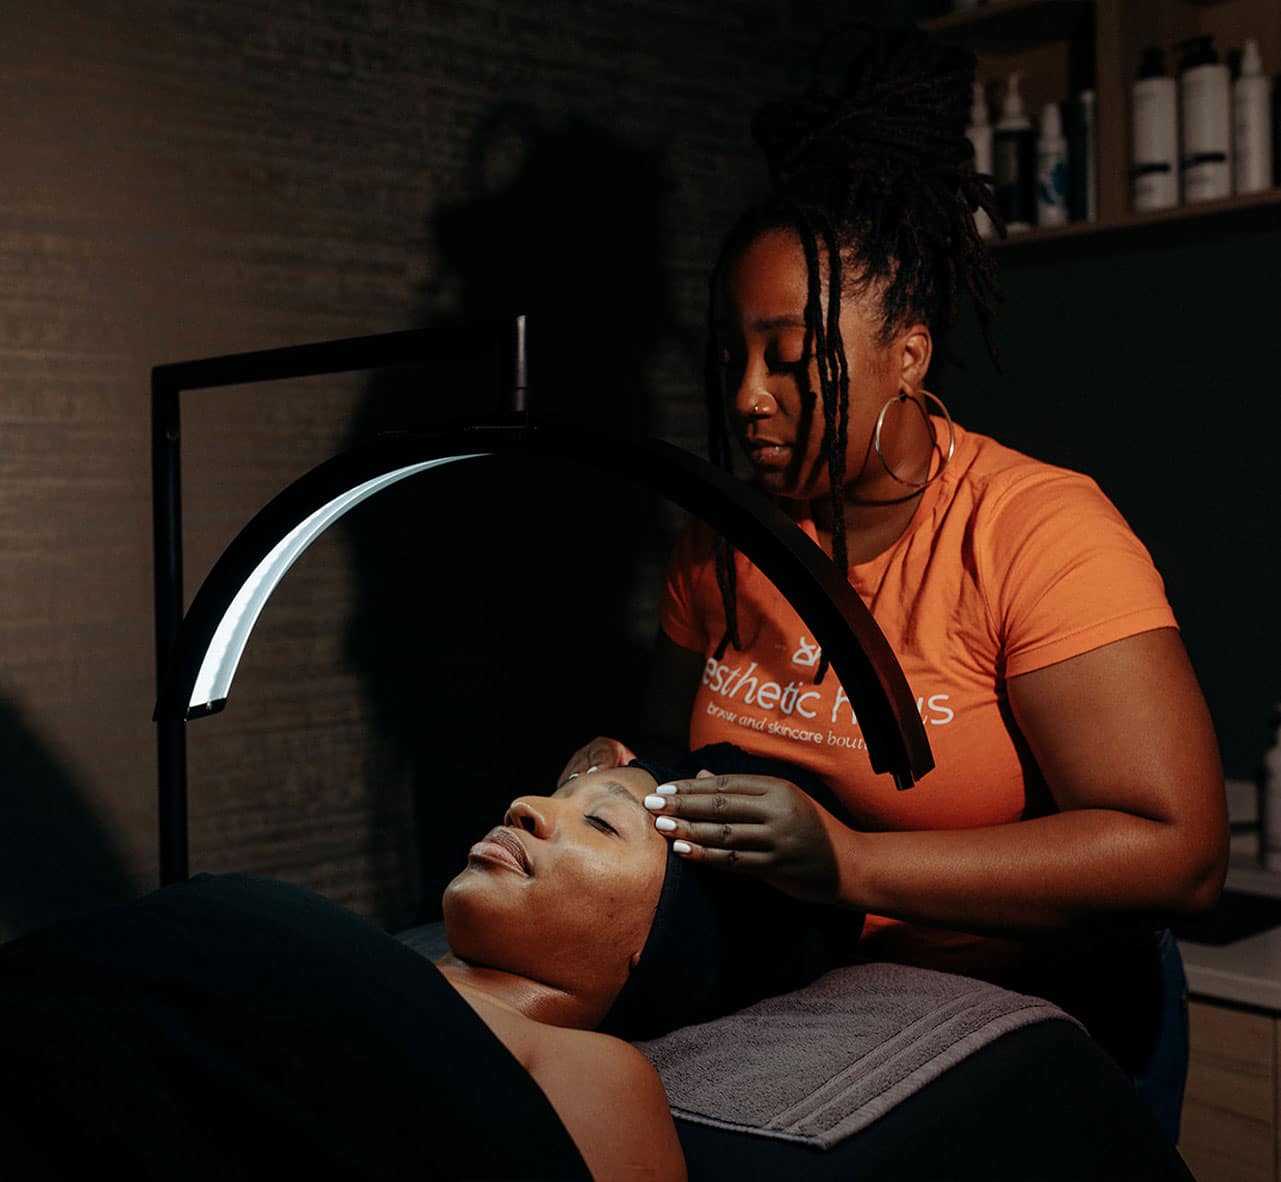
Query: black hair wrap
x=720 y=940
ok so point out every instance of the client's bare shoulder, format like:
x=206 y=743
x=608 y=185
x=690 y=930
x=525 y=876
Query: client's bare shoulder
x=620 y=1118
x=605 y=1091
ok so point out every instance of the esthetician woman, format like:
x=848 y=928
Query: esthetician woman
x=1077 y=801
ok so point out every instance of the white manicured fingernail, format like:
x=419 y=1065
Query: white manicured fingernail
x=666 y=790
x=681 y=847
x=657 y=803
x=594 y=768
x=666 y=824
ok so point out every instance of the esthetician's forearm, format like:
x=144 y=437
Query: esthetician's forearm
x=1049 y=872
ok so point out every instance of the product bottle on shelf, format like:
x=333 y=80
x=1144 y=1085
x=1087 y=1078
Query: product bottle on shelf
x=979 y=134
x=1251 y=124
x=1206 y=112
x=1051 y=169
x=1154 y=177
x=1270 y=799
x=1276 y=130
x=1088 y=183
x=1014 y=152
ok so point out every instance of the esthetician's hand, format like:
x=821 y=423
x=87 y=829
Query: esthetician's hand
x=755 y=824
x=600 y=753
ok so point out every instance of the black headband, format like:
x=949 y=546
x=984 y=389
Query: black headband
x=720 y=940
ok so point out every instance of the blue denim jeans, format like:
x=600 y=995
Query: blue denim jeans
x=1162 y=1081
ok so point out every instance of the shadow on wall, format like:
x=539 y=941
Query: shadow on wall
x=494 y=620
x=56 y=859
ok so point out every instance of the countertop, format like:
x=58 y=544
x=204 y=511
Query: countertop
x=1249 y=971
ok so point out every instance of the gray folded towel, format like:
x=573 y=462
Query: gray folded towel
x=818 y=1065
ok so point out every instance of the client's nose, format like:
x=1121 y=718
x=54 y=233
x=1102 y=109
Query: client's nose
x=528 y=813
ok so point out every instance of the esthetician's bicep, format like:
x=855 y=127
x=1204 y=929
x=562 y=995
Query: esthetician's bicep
x=1125 y=727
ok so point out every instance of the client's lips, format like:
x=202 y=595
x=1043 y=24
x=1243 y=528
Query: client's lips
x=501 y=845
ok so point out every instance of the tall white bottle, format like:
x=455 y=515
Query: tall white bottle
x=1251 y=124
x=1206 y=109
x=979 y=133
x=1154 y=175
x=1051 y=169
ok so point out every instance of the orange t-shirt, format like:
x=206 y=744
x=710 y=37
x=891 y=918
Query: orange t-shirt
x=1008 y=565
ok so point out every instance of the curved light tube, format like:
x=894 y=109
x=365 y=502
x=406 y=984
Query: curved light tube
x=222 y=657
x=216 y=628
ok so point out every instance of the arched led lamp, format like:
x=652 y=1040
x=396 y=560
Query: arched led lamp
x=215 y=630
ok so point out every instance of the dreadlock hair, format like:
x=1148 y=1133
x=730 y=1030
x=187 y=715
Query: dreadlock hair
x=878 y=181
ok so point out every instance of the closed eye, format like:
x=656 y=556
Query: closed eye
x=600 y=823
x=779 y=364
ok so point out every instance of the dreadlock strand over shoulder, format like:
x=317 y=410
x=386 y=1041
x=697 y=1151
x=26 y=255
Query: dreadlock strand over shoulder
x=878 y=180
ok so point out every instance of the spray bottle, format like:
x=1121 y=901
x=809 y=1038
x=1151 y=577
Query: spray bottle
x=1051 y=169
x=1251 y=124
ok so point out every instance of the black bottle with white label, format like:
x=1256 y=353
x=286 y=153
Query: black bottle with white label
x=1014 y=152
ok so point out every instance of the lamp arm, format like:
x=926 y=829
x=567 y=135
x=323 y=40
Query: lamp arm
x=215 y=630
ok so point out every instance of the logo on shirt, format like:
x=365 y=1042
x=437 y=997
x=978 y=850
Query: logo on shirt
x=748 y=685
x=807 y=655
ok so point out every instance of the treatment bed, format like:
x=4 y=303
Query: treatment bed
x=229 y=1027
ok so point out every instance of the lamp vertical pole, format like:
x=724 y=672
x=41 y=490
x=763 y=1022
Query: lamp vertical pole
x=166 y=510
x=520 y=370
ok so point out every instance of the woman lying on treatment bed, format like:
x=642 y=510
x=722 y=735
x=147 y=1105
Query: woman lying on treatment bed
x=236 y=1027
x=232 y=1027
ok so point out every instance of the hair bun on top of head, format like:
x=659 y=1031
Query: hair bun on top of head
x=720 y=941
x=905 y=98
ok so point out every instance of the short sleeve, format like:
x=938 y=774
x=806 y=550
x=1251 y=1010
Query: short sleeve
x=1063 y=572
x=680 y=611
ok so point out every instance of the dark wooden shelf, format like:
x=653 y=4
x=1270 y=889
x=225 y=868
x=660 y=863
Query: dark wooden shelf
x=1230 y=215
x=1001 y=26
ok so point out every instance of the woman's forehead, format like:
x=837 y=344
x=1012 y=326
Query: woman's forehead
x=629 y=783
x=775 y=260
x=767 y=284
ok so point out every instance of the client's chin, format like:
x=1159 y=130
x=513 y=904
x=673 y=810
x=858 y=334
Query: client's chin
x=485 y=935
x=480 y=930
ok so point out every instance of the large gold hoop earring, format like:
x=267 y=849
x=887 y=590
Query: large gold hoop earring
x=901 y=397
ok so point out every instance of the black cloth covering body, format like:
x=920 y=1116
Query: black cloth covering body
x=235 y=1028
x=232 y=1027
